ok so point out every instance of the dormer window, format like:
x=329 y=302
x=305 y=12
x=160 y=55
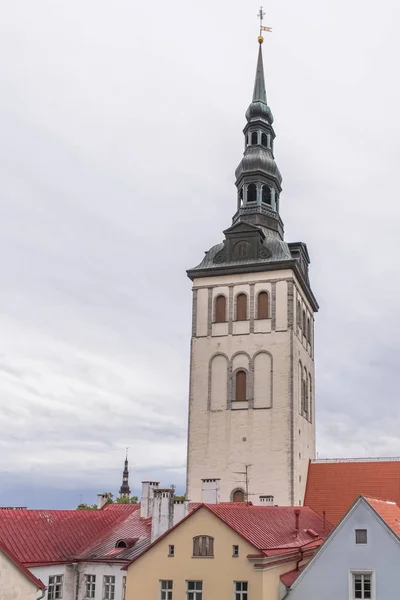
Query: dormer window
x=126 y=542
x=254 y=138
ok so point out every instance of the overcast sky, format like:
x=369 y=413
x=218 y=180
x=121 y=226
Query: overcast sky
x=121 y=127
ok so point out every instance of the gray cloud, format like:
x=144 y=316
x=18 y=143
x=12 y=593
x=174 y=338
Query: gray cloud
x=121 y=129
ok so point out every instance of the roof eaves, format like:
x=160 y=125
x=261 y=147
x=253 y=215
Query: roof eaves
x=35 y=580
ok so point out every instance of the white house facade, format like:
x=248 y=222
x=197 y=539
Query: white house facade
x=358 y=561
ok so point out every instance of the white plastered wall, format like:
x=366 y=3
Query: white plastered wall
x=14 y=585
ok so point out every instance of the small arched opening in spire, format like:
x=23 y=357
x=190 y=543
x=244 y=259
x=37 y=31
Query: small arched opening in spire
x=266 y=196
x=251 y=193
x=254 y=138
x=264 y=140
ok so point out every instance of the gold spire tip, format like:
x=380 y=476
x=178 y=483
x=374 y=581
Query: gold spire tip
x=260 y=39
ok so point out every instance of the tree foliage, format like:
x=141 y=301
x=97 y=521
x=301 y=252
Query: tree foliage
x=110 y=500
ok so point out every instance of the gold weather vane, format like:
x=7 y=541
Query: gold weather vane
x=261 y=15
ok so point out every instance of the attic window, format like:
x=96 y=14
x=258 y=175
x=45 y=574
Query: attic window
x=361 y=536
x=121 y=544
x=126 y=542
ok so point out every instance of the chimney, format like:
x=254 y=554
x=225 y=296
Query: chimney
x=296 y=520
x=146 y=502
x=101 y=500
x=163 y=512
x=181 y=509
x=210 y=491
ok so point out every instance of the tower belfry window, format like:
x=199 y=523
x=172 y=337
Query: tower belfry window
x=254 y=138
x=240 y=387
x=266 y=196
x=252 y=192
x=262 y=305
x=220 y=309
x=241 y=307
x=264 y=140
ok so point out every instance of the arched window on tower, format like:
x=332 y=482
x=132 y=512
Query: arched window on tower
x=241 y=196
x=310 y=415
x=240 y=386
x=252 y=193
x=254 y=138
x=298 y=314
x=238 y=496
x=262 y=305
x=241 y=307
x=264 y=140
x=304 y=326
x=266 y=196
x=309 y=329
x=220 y=309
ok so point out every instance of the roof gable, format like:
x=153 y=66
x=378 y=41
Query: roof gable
x=34 y=580
x=323 y=553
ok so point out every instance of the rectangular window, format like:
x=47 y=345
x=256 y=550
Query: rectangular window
x=194 y=590
x=55 y=587
x=235 y=550
x=203 y=545
x=240 y=590
x=361 y=536
x=90 y=586
x=124 y=587
x=171 y=550
x=109 y=587
x=362 y=586
x=165 y=589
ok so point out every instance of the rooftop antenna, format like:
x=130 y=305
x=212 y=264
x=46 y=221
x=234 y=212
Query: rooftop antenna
x=246 y=480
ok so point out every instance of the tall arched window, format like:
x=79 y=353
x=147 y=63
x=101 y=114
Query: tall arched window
x=262 y=305
x=298 y=314
x=266 y=196
x=238 y=496
x=252 y=192
x=240 y=386
x=203 y=545
x=304 y=323
x=254 y=138
x=310 y=415
x=309 y=329
x=264 y=140
x=220 y=309
x=241 y=307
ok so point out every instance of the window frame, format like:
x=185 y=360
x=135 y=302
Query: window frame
x=236 y=387
x=216 y=311
x=238 y=592
x=108 y=587
x=261 y=293
x=58 y=580
x=205 y=546
x=235 y=550
x=352 y=576
x=196 y=594
x=166 y=592
x=90 y=586
x=242 y=295
x=359 y=535
x=171 y=551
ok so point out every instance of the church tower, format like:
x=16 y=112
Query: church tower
x=251 y=401
x=125 y=490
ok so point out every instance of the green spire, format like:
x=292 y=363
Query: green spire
x=259 y=94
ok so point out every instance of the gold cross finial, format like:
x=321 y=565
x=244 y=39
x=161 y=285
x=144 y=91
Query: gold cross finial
x=261 y=15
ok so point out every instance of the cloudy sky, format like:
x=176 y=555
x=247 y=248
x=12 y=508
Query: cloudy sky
x=120 y=133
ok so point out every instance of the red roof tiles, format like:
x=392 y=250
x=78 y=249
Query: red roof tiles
x=333 y=486
x=38 y=537
x=389 y=511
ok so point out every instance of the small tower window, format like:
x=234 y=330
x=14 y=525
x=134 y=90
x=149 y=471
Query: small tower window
x=241 y=307
x=220 y=309
x=254 y=138
x=298 y=314
x=309 y=330
x=266 y=196
x=240 y=391
x=264 y=140
x=238 y=496
x=252 y=192
x=262 y=305
x=241 y=249
x=304 y=323
x=241 y=196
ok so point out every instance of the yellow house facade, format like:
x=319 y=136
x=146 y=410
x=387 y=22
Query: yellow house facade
x=205 y=558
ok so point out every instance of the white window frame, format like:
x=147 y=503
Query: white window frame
x=90 y=585
x=196 y=594
x=55 y=581
x=354 y=572
x=108 y=587
x=123 y=595
x=238 y=591
x=165 y=591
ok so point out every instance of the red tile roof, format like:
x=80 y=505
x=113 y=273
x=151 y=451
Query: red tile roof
x=270 y=529
x=290 y=577
x=333 y=486
x=38 y=537
x=389 y=511
x=10 y=555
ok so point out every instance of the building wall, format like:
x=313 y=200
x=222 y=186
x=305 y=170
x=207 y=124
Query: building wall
x=70 y=578
x=329 y=576
x=14 y=585
x=217 y=574
x=267 y=432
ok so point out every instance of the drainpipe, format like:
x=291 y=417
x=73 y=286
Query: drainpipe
x=75 y=567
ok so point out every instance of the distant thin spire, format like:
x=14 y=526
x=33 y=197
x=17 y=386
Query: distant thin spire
x=260 y=94
x=125 y=490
